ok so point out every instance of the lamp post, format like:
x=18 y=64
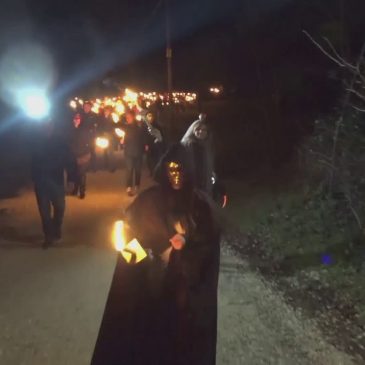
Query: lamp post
x=168 y=48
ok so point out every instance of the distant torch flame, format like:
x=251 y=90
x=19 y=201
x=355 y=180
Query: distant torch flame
x=115 y=117
x=132 y=252
x=119 y=132
x=119 y=108
x=95 y=108
x=102 y=142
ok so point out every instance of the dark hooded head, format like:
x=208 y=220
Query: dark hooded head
x=173 y=171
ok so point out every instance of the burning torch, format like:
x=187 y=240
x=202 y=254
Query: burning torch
x=132 y=252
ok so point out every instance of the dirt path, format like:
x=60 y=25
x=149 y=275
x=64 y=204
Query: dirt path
x=51 y=302
x=257 y=327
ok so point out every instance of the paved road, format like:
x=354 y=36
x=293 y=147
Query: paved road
x=51 y=302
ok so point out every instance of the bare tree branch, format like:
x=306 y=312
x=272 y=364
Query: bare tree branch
x=357 y=218
x=361 y=96
x=323 y=50
x=358 y=109
x=341 y=59
x=335 y=57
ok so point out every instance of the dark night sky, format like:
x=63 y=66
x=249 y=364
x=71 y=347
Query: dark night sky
x=93 y=38
x=89 y=38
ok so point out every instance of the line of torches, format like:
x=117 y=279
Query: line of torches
x=132 y=100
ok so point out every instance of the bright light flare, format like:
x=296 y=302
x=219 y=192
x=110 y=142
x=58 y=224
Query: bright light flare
x=35 y=104
x=73 y=104
x=102 y=142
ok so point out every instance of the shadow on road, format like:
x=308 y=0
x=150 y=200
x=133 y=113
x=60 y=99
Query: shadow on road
x=12 y=237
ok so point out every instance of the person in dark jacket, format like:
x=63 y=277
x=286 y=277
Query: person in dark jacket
x=82 y=144
x=156 y=142
x=106 y=128
x=199 y=147
x=167 y=303
x=135 y=142
x=89 y=122
x=51 y=156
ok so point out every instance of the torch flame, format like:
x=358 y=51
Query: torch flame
x=119 y=132
x=95 y=108
x=132 y=252
x=118 y=236
x=130 y=96
x=119 y=108
x=115 y=117
x=102 y=142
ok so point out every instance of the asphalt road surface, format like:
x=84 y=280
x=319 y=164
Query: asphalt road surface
x=52 y=301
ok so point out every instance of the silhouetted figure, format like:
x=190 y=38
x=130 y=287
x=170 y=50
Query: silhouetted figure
x=89 y=122
x=106 y=128
x=51 y=156
x=156 y=142
x=135 y=141
x=164 y=310
x=82 y=145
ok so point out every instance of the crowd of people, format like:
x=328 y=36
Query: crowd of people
x=136 y=137
x=139 y=136
x=175 y=220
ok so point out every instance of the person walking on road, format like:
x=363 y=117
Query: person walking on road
x=135 y=142
x=106 y=129
x=82 y=145
x=51 y=156
x=156 y=143
x=199 y=148
x=90 y=123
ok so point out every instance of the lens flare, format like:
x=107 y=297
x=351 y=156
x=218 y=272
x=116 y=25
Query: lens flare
x=34 y=103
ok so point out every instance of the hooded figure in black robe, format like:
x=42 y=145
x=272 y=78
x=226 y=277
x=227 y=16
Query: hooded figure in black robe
x=174 y=293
